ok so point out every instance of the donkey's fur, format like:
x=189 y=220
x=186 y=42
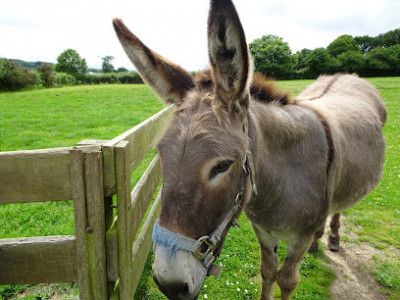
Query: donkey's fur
x=314 y=155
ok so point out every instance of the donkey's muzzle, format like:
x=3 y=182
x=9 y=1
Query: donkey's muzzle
x=178 y=275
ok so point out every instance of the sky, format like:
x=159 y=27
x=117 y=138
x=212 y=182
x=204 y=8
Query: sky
x=40 y=30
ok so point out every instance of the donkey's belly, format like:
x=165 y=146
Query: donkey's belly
x=359 y=172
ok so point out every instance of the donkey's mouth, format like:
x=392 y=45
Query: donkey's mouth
x=181 y=293
x=178 y=274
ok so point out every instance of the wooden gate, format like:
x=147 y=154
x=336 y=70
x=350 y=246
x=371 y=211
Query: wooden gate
x=111 y=243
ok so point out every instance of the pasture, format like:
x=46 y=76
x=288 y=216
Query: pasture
x=63 y=117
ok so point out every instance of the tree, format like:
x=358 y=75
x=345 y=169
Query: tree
x=46 y=72
x=272 y=56
x=351 y=61
x=394 y=59
x=122 y=70
x=342 y=44
x=301 y=61
x=377 y=61
x=318 y=61
x=107 y=67
x=383 y=61
x=390 y=38
x=366 y=43
x=70 y=62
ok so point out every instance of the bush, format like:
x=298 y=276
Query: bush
x=102 y=78
x=14 y=77
x=62 y=79
x=46 y=72
x=129 y=77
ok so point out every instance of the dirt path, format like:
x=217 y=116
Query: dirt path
x=353 y=281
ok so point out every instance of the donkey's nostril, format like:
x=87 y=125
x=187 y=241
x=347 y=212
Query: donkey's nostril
x=185 y=290
x=177 y=290
x=173 y=289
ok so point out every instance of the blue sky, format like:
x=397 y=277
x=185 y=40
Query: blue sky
x=40 y=30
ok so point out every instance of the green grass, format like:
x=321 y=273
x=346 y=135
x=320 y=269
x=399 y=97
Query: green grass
x=65 y=116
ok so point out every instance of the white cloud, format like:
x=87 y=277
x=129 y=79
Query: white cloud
x=42 y=29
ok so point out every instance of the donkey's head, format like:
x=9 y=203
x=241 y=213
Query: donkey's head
x=203 y=151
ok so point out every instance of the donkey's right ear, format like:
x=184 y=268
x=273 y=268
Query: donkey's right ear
x=168 y=80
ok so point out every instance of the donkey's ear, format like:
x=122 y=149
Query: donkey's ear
x=168 y=80
x=229 y=55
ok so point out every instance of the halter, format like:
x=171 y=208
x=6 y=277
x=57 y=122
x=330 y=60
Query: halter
x=204 y=248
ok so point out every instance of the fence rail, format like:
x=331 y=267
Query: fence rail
x=38 y=260
x=108 y=252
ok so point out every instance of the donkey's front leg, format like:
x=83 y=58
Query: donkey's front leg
x=288 y=275
x=269 y=271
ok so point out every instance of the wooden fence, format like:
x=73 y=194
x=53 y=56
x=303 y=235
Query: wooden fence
x=107 y=254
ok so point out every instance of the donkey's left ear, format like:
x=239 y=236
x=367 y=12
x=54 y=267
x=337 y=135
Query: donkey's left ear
x=168 y=80
x=229 y=55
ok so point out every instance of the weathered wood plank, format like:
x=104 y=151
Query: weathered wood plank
x=143 y=245
x=95 y=231
x=145 y=136
x=79 y=200
x=141 y=138
x=38 y=260
x=92 y=142
x=142 y=195
x=109 y=170
x=35 y=175
x=159 y=118
x=123 y=199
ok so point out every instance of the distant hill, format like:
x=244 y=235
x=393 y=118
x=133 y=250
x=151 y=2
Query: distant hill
x=33 y=65
x=28 y=64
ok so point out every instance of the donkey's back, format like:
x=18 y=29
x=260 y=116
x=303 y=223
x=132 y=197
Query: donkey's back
x=355 y=114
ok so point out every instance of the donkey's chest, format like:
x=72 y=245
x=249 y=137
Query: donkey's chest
x=268 y=232
x=272 y=222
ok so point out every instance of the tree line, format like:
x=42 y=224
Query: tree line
x=71 y=69
x=365 y=55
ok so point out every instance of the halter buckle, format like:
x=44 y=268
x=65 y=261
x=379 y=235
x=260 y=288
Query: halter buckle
x=205 y=240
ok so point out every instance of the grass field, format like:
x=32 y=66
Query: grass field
x=65 y=116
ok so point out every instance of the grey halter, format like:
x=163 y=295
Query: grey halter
x=204 y=248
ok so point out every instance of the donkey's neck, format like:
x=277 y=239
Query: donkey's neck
x=285 y=141
x=276 y=127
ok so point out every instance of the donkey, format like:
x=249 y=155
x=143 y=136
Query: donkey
x=237 y=143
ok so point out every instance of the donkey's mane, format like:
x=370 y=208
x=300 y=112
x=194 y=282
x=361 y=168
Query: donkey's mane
x=261 y=88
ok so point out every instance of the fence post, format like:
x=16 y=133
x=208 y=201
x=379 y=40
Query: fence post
x=123 y=200
x=88 y=198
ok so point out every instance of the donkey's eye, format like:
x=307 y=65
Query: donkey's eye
x=222 y=167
